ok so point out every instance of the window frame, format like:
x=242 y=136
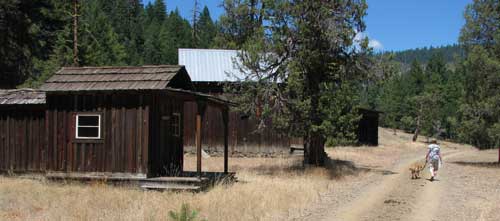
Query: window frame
x=174 y=126
x=99 y=129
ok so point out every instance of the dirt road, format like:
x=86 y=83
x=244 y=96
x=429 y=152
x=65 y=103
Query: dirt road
x=467 y=188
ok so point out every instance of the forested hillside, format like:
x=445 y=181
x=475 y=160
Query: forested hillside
x=450 y=91
x=458 y=102
x=37 y=36
x=450 y=53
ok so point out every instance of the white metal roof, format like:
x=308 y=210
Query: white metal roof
x=210 y=64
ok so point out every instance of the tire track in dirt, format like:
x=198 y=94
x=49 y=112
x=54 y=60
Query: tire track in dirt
x=396 y=197
x=428 y=198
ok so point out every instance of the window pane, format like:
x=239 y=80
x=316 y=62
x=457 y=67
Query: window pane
x=88 y=132
x=88 y=120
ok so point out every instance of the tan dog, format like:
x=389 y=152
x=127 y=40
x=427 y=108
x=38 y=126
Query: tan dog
x=415 y=170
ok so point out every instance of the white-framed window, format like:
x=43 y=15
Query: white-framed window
x=88 y=126
x=176 y=124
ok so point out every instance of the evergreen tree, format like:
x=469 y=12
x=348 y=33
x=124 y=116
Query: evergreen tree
x=300 y=46
x=180 y=35
x=156 y=12
x=126 y=18
x=157 y=38
x=158 y=45
x=242 y=18
x=206 y=29
x=99 y=43
x=27 y=32
x=480 y=113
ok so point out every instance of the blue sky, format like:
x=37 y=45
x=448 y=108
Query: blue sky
x=391 y=24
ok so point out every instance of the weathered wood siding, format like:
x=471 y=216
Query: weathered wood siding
x=123 y=147
x=243 y=135
x=22 y=139
x=166 y=152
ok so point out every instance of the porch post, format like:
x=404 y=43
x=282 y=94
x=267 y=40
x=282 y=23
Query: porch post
x=198 y=140
x=225 y=118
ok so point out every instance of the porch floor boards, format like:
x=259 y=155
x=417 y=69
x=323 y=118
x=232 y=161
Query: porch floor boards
x=188 y=181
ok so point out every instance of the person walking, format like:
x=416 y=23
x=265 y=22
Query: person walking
x=433 y=157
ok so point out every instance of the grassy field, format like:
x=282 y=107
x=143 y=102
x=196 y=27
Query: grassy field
x=268 y=189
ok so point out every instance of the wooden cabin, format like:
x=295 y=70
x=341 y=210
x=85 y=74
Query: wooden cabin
x=211 y=70
x=22 y=130
x=108 y=121
x=368 y=127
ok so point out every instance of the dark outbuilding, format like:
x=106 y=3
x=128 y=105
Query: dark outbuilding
x=105 y=121
x=368 y=127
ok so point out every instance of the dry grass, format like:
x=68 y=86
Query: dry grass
x=262 y=193
x=268 y=189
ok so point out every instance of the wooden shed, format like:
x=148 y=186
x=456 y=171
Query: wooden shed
x=368 y=127
x=124 y=122
x=22 y=130
x=211 y=71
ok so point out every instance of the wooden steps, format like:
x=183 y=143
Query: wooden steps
x=170 y=187
x=175 y=183
x=187 y=181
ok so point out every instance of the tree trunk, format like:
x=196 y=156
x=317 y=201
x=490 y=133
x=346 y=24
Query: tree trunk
x=75 y=33
x=314 y=149
x=417 y=129
x=315 y=141
x=498 y=154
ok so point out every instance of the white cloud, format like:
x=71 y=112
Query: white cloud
x=372 y=43
x=375 y=44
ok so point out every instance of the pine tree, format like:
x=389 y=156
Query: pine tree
x=180 y=35
x=158 y=43
x=126 y=18
x=480 y=113
x=242 y=18
x=300 y=46
x=28 y=31
x=206 y=29
x=99 y=43
x=156 y=12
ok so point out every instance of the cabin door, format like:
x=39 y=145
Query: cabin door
x=170 y=139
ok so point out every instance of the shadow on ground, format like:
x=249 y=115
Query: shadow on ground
x=478 y=164
x=339 y=168
x=334 y=168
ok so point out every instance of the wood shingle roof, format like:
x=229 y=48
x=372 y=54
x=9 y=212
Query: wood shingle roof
x=115 y=78
x=21 y=96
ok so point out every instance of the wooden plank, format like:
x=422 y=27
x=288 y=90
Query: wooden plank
x=198 y=144
x=109 y=138
x=114 y=132
x=45 y=152
x=123 y=138
x=54 y=142
x=2 y=141
x=225 y=119
x=65 y=135
x=32 y=143
x=7 y=143
x=24 y=143
x=18 y=145
x=138 y=144
x=36 y=135
x=145 y=141
x=130 y=139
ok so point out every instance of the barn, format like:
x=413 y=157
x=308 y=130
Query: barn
x=211 y=70
x=124 y=122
